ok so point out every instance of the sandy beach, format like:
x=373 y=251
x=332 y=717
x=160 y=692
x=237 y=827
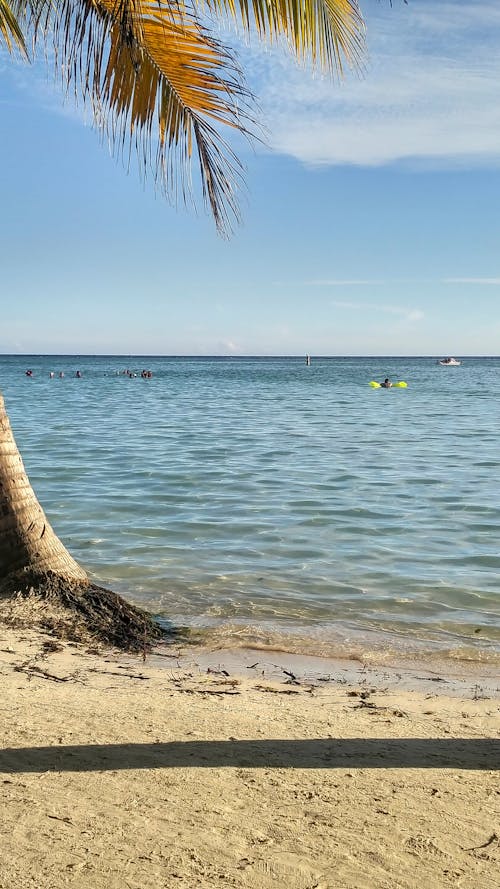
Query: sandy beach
x=243 y=769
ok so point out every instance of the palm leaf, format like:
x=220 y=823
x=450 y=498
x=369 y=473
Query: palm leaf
x=326 y=31
x=10 y=29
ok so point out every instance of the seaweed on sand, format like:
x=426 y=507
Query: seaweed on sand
x=77 y=610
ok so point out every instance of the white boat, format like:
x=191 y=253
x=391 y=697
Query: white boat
x=449 y=362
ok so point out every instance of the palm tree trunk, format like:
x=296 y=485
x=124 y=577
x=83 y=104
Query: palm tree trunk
x=27 y=541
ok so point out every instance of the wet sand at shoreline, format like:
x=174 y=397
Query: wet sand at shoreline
x=465 y=679
x=247 y=768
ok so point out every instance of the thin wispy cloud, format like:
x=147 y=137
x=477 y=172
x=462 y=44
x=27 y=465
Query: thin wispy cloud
x=495 y=282
x=36 y=85
x=429 y=93
x=389 y=282
x=341 y=282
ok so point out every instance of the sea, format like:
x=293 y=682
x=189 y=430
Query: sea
x=263 y=502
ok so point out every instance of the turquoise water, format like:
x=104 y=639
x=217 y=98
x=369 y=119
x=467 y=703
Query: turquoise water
x=269 y=502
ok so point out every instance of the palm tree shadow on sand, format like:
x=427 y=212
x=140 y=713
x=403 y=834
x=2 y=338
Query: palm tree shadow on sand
x=312 y=753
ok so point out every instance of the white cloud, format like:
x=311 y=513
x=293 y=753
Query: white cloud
x=429 y=94
x=229 y=347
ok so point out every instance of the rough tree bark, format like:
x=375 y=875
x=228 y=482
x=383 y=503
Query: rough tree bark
x=35 y=564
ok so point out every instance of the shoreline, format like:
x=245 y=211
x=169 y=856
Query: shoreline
x=336 y=642
x=457 y=678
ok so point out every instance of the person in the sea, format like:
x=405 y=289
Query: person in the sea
x=386 y=384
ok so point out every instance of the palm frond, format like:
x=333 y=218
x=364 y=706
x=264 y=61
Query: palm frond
x=10 y=29
x=329 y=32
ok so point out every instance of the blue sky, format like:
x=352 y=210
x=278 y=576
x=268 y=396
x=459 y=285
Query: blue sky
x=371 y=216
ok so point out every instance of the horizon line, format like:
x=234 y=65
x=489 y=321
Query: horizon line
x=221 y=356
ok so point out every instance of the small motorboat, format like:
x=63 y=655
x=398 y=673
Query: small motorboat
x=449 y=362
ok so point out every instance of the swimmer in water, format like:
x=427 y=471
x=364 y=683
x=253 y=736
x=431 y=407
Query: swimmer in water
x=386 y=384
